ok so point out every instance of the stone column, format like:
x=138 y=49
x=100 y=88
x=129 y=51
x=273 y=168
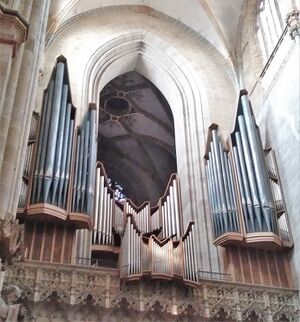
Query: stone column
x=41 y=28
x=13 y=32
x=19 y=120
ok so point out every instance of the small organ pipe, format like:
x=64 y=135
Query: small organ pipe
x=226 y=188
x=92 y=160
x=218 y=223
x=216 y=153
x=172 y=210
x=169 y=217
x=68 y=163
x=217 y=191
x=77 y=183
x=104 y=217
x=101 y=209
x=194 y=270
x=96 y=216
x=176 y=210
x=213 y=196
x=233 y=193
x=210 y=199
x=163 y=221
x=231 y=210
x=85 y=134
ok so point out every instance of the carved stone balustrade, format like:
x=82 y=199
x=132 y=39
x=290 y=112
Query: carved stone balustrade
x=59 y=292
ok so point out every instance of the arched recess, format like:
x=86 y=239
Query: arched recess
x=193 y=77
x=129 y=52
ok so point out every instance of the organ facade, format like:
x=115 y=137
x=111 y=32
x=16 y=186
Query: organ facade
x=137 y=182
x=71 y=214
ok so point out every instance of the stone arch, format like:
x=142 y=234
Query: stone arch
x=254 y=314
x=221 y=312
x=188 y=71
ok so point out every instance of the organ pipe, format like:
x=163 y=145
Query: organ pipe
x=260 y=172
x=84 y=179
x=52 y=163
x=244 y=196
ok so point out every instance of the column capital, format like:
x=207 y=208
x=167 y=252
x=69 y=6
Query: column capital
x=13 y=28
x=293 y=23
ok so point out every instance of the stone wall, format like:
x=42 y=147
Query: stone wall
x=274 y=91
x=55 y=292
x=196 y=80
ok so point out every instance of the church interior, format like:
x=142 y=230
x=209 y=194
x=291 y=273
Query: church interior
x=149 y=160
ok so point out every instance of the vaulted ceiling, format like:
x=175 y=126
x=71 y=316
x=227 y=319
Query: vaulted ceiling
x=136 y=136
x=215 y=20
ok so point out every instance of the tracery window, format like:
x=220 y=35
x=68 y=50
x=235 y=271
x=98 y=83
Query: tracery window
x=118 y=190
x=271 y=23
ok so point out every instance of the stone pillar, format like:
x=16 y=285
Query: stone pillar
x=16 y=124
x=13 y=32
x=39 y=24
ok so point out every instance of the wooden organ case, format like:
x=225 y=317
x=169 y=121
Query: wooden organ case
x=71 y=214
x=58 y=183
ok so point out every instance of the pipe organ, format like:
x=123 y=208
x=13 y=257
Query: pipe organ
x=152 y=241
x=70 y=209
x=244 y=190
x=53 y=153
x=57 y=194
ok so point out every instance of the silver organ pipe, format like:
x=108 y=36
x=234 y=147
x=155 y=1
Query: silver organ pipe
x=244 y=148
x=59 y=144
x=190 y=266
x=260 y=172
x=170 y=210
x=142 y=251
x=131 y=249
x=119 y=221
x=53 y=151
x=84 y=178
x=164 y=225
x=220 y=188
x=154 y=220
x=48 y=175
x=23 y=195
x=104 y=210
x=240 y=160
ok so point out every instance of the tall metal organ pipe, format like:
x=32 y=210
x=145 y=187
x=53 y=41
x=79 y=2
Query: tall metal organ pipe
x=53 y=152
x=259 y=165
x=84 y=178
